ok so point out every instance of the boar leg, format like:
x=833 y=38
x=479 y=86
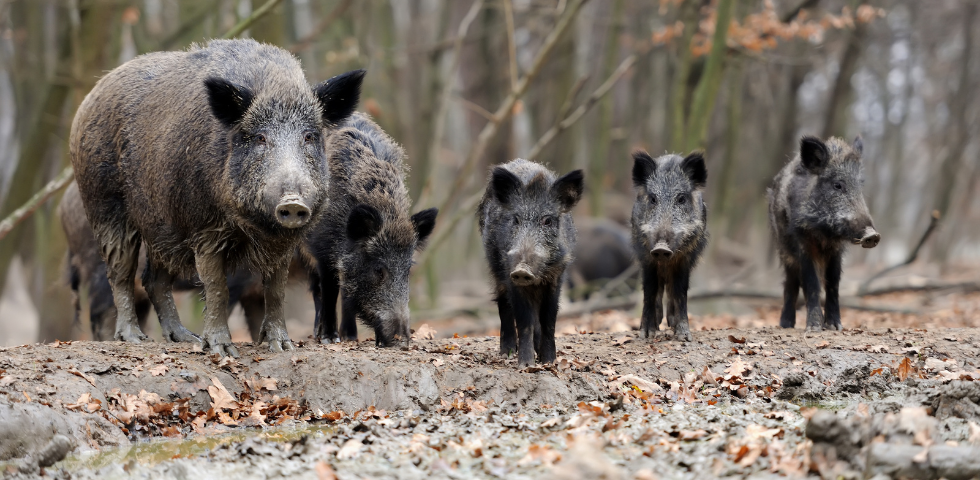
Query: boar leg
x=524 y=314
x=120 y=250
x=329 y=289
x=159 y=287
x=653 y=310
x=253 y=306
x=791 y=291
x=811 y=292
x=832 y=274
x=671 y=309
x=547 y=317
x=274 y=323
x=216 y=336
x=348 y=319
x=678 y=303
x=508 y=327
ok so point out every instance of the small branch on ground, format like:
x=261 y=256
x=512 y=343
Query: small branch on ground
x=933 y=223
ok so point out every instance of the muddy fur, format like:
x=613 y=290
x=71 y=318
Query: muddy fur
x=816 y=206
x=528 y=237
x=670 y=216
x=191 y=152
x=363 y=244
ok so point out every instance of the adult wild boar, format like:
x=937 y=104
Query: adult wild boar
x=669 y=234
x=214 y=157
x=363 y=245
x=528 y=237
x=602 y=251
x=815 y=206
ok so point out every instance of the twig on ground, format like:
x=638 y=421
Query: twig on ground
x=933 y=223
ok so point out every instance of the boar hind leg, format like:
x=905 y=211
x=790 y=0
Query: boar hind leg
x=791 y=291
x=547 y=317
x=348 y=319
x=216 y=336
x=678 y=303
x=653 y=292
x=253 y=306
x=508 y=326
x=274 y=324
x=524 y=318
x=811 y=292
x=159 y=286
x=120 y=250
x=328 y=289
x=832 y=305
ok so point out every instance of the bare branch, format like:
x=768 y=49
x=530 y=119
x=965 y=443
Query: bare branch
x=255 y=16
x=306 y=41
x=17 y=216
x=511 y=43
x=933 y=223
x=593 y=99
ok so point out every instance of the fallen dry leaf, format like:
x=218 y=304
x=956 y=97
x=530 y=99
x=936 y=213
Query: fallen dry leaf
x=86 y=402
x=540 y=453
x=733 y=339
x=823 y=344
x=74 y=371
x=879 y=349
x=438 y=362
x=324 y=471
x=738 y=368
x=350 y=449
x=688 y=435
x=425 y=332
x=623 y=340
x=220 y=398
x=158 y=370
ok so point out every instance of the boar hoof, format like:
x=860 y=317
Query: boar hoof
x=131 y=334
x=180 y=334
x=278 y=346
x=224 y=349
x=833 y=325
x=683 y=336
x=328 y=340
x=814 y=328
x=220 y=342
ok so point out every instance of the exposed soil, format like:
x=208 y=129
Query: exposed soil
x=732 y=403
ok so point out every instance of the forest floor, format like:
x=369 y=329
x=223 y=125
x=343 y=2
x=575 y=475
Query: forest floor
x=889 y=395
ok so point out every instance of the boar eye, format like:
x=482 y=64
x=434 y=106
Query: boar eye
x=547 y=221
x=260 y=139
x=681 y=199
x=653 y=199
x=838 y=186
x=517 y=220
x=308 y=138
x=380 y=273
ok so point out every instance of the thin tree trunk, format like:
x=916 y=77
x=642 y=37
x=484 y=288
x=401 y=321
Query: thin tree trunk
x=707 y=90
x=835 y=119
x=599 y=163
x=678 y=93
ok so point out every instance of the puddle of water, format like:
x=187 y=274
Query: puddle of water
x=155 y=451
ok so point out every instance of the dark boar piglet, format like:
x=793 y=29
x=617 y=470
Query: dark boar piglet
x=670 y=233
x=816 y=206
x=363 y=245
x=528 y=237
x=214 y=159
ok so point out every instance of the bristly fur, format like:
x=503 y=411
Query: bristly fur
x=190 y=152
x=670 y=213
x=816 y=205
x=526 y=225
x=366 y=239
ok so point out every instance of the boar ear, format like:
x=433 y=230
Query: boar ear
x=568 y=188
x=643 y=167
x=363 y=222
x=858 y=145
x=504 y=184
x=228 y=101
x=813 y=153
x=339 y=96
x=693 y=167
x=424 y=222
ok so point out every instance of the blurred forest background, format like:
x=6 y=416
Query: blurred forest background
x=465 y=84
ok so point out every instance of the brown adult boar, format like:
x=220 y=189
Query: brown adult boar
x=816 y=206
x=214 y=157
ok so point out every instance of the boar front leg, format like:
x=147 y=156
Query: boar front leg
x=678 y=301
x=216 y=336
x=547 y=317
x=791 y=291
x=832 y=305
x=653 y=310
x=508 y=326
x=159 y=286
x=326 y=302
x=120 y=249
x=274 y=324
x=811 y=292
x=524 y=318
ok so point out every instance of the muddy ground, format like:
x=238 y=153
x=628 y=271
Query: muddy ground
x=733 y=403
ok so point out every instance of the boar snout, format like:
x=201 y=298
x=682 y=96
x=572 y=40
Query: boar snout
x=292 y=212
x=661 y=252
x=522 y=276
x=869 y=238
